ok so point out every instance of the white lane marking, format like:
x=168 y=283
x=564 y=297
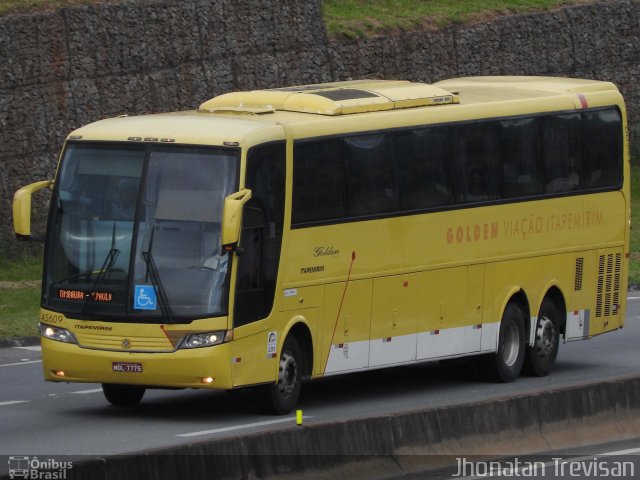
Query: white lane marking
x=630 y=451
x=20 y=363
x=37 y=348
x=633 y=298
x=239 y=427
x=84 y=392
x=12 y=402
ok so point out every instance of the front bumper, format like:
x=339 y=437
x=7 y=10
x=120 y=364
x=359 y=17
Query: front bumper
x=180 y=369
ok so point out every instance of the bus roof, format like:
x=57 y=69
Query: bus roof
x=234 y=117
x=496 y=88
x=362 y=96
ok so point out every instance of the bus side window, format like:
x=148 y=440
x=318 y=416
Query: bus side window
x=318 y=162
x=561 y=153
x=475 y=156
x=420 y=156
x=602 y=148
x=261 y=237
x=520 y=153
x=369 y=174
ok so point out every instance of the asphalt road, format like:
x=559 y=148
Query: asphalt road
x=39 y=418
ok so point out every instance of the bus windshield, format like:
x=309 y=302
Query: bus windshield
x=134 y=232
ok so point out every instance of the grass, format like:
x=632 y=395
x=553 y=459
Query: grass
x=20 y=302
x=358 y=18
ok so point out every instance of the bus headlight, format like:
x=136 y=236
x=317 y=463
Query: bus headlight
x=57 y=333
x=207 y=339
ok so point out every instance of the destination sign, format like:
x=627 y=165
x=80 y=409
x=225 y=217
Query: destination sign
x=81 y=295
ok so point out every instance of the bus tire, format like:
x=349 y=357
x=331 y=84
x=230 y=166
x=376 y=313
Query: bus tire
x=122 y=395
x=281 y=397
x=541 y=357
x=505 y=365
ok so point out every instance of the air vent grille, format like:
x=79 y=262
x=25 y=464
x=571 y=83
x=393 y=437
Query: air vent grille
x=346 y=94
x=579 y=270
x=608 y=289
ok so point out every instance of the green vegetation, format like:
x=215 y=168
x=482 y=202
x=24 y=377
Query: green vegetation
x=20 y=295
x=23 y=267
x=358 y=18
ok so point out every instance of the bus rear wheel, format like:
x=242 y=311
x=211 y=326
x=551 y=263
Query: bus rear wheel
x=281 y=397
x=506 y=364
x=122 y=395
x=541 y=357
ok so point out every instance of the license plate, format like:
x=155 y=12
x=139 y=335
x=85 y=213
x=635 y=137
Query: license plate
x=127 y=367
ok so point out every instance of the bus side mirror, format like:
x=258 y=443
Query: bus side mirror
x=22 y=208
x=232 y=219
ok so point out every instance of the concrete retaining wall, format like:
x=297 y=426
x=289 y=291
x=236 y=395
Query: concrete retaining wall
x=403 y=443
x=67 y=68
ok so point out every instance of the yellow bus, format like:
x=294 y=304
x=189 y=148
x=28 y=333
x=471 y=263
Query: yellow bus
x=281 y=235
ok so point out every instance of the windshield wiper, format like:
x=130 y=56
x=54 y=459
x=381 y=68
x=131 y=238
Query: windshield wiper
x=152 y=272
x=109 y=260
x=90 y=273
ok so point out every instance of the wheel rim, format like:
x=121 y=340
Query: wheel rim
x=511 y=344
x=545 y=337
x=288 y=375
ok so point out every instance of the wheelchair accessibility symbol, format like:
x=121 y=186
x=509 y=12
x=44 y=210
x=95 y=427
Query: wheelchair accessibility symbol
x=144 y=298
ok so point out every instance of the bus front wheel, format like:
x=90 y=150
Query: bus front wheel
x=541 y=357
x=281 y=397
x=505 y=365
x=122 y=395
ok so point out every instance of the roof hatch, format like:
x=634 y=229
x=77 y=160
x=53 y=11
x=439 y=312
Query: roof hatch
x=339 y=98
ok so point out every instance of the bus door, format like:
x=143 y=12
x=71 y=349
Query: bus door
x=258 y=258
